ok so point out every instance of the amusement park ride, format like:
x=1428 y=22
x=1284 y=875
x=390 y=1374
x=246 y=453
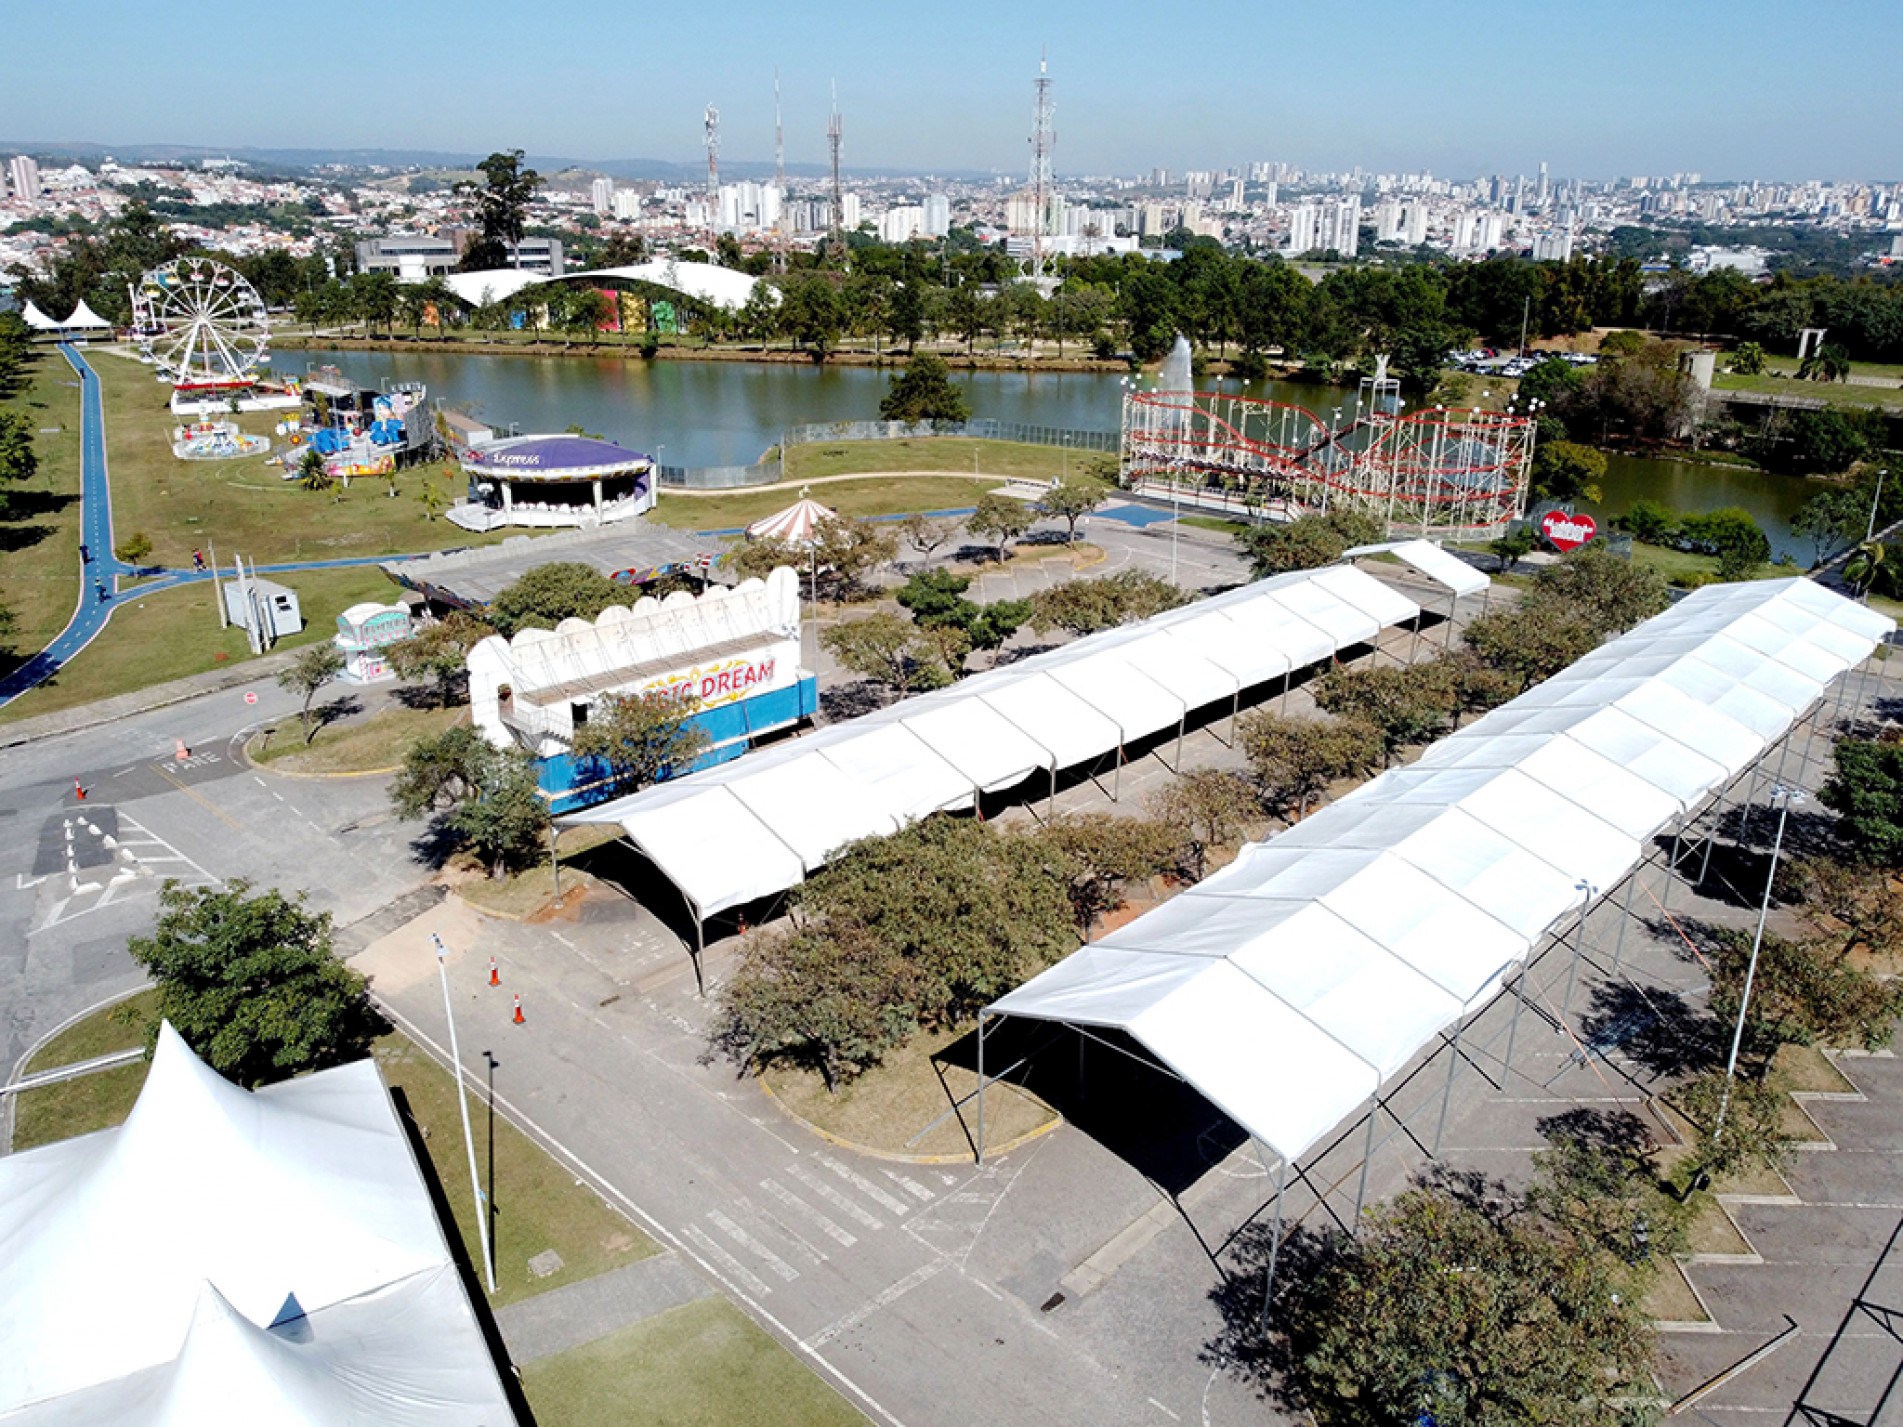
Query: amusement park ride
x=1435 y=470
x=202 y=326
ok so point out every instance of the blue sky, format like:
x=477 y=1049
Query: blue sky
x=1596 y=88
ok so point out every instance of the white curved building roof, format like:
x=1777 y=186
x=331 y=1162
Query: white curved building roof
x=700 y=282
x=1289 y=986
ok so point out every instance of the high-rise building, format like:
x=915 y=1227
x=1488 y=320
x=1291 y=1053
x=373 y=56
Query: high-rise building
x=1304 y=225
x=1387 y=221
x=601 y=195
x=849 y=211
x=1416 y=224
x=937 y=215
x=25 y=173
x=627 y=203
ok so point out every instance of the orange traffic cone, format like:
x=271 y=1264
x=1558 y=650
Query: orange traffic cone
x=520 y=1020
x=495 y=977
x=79 y=793
x=180 y=751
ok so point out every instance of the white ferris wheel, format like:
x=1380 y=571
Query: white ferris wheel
x=200 y=323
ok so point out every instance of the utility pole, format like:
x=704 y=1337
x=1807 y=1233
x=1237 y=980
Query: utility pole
x=1042 y=139
x=462 y=1103
x=836 y=241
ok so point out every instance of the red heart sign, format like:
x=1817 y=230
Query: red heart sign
x=1567 y=532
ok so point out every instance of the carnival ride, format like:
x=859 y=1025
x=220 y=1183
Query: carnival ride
x=216 y=441
x=1432 y=470
x=201 y=325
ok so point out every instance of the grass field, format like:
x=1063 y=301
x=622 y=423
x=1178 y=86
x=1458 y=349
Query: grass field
x=39 y=519
x=92 y=1102
x=890 y=496
x=1836 y=393
x=704 y=1364
x=244 y=507
x=175 y=633
x=938 y=453
x=370 y=745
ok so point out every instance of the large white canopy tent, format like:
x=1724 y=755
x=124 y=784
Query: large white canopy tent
x=707 y=283
x=728 y=835
x=1289 y=986
x=279 y=1247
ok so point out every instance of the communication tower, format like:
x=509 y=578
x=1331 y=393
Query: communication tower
x=1042 y=139
x=779 y=178
x=713 y=162
x=836 y=240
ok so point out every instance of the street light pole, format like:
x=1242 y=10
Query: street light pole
x=1789 y=796
x=1875 y=501
x=462 y=1103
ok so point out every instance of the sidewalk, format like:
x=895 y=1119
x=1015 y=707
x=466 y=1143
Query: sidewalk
x=156 y=696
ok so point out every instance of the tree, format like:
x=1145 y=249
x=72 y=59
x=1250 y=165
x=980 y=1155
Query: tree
x=924 y=391
x=1567 y=471
x=926 y=533
x=1070 y=501
x=486 y=797
x=1440 y=1309
x=1865 y=790
x=1834 y=520
x=1753 y=1130
x=1097 y=855
x=937 y=600
x=310 y=669
x=1729 y=535
x=1606 y=592
x=1513 y=547
x=1650 y=521
x=313 y=473
x=1530 y=644
x=501 y=204
x=1827 y=362
x=847 y=549
x=641 y=738
x=252 y=983
x=134 y=548
x=1000 y=519
x=1747 y=359
x=434 y=499
x=1403 y=704
x=1093 y=603
x=1208 y=808
x=1305 y=543
x=829 y=998
x=1805 y=992
x=891 y=650
x=439 y=651
x=548 y=594
x=17 y=459
x=1822 y=442
x=1296 y=759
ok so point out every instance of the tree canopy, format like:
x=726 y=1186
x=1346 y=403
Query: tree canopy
x=924 y=391
x=640 y=738
x=479 y=796
x=551 y=593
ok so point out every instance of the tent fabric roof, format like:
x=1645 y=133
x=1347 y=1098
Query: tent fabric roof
x=1063 y=708
x=552 y=458
x=1290 y=984
x=798 y=524
x=38 y=320
x=703 y=282
x=1432 y=561
x=84 y=316
x=291 y=1202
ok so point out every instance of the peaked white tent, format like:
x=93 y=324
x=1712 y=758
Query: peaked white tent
x=84 y=319
x=751 y=828
x=1289 y=986
x=300 y=1206
x=37 y=320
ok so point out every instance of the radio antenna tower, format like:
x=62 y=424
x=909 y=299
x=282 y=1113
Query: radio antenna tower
x=836 y=240
x=779 y=178
x=713 y=163
x=1042 y=140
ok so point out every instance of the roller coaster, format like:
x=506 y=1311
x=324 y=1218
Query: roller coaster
x=1433 y=470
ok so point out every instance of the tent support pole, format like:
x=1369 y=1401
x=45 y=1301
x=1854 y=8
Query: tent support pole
x=1367 y=1159
x=700 y=951
x=981 y=1087
x=1513 y=1026
x=1618 y=947
x=1181 y=724
x=1235 y=714
x=1717 y=820
x=1579 y=947
x=1050 y=803
x=1671 y=872
x=1275 y=1231
x=1453 y=602
x=1447 y=1090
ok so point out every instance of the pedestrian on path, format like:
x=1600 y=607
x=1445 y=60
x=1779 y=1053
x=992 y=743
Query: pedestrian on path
x=198 y=560
x=99 y=588
x=85 y=555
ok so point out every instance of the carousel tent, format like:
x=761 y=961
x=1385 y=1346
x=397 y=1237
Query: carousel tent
x=751 y=828
x=276 y=1249
x=798 y=524
x=1290 y=985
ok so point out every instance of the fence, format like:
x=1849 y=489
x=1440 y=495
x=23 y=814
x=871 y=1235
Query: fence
x=718 y=478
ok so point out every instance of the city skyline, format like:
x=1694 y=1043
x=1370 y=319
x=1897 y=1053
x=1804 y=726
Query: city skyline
x=1597 y=93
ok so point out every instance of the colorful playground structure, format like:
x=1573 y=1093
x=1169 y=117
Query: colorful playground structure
x=1433 y=470
x=216 y=441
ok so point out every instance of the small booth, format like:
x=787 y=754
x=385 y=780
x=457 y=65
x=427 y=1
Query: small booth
x=553 y=482
x=264 y=607
x=364 y=631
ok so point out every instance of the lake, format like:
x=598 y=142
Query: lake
x=727 y=413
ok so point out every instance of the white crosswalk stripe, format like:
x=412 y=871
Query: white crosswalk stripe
x=833 y=1196
x=858 y=1181
x=797 y=1244
x=911 y=1186
x=800 y=1206
x=749 y=1280
x=740 y=1236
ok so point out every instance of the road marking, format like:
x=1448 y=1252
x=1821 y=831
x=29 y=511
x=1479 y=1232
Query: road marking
x=832 y=1196
x=865 y=1186
x=922 y=1274
x=740 y=1236
x=1164 y=1410
x=911 y=1186
x=203 y=802
x=801 y=1247
x=799 y=1205
x=704 y=1241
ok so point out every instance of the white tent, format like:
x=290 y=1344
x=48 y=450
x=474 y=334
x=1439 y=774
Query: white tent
x=300 y=1205
x=37 y=320
x=1432 y=561
x=85 y=319
x=1069 y=707
x=1288 y=986
x=798 y=524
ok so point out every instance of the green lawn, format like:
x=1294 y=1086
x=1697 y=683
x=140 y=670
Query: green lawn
x=244 y=507
x=1788 y=366
x=704 y=1364
x=91 y=1102
x=1215 y=523
x=364 y=745
x=892 y=496
x=39 y=519
x=1678 y=564
x=938 y=453
x=175 y=633
x=1836 y=393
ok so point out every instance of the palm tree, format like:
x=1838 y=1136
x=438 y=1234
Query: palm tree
x=312 y=473
x=1862 y=567
x=1747 y=359
x=1829 y=362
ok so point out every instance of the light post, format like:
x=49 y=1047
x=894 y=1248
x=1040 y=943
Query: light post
x=1875 y=501
x=462 y=1103
x=1788 y=796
